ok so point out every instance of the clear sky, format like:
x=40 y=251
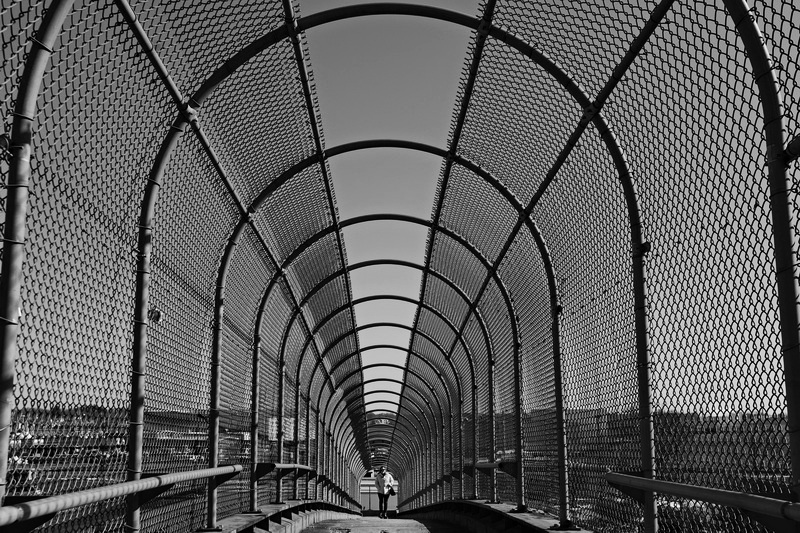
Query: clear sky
x=386 y=77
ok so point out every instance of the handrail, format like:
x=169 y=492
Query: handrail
x=747 y=502
x=53 y=504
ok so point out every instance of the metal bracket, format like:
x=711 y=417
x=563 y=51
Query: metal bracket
x=219 y=480
x=262 y=469
x=508 y=467
x=149 y=494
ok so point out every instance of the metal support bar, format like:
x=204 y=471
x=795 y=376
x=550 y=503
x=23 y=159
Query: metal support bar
x=762 y=506
x=16 y=212
x=783 y=219
x=255 y=406
x=151 y=494
x=25 y=511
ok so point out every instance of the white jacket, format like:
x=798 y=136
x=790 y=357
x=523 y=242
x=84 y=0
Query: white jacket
x=383 y=482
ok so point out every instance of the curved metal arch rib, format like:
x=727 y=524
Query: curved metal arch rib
x=342 y=13
x=339 y=425
x=400 y=367
x=421 y=147
x=400 y=263
x=402 y=218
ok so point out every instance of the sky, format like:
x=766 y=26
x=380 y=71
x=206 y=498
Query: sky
x=386 y=77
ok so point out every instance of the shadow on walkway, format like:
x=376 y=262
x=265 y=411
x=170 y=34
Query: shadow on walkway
x=373 y=524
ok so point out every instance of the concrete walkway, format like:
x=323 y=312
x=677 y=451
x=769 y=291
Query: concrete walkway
x=373 y=524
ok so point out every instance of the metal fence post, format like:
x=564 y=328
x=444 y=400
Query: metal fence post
x=520 y=480
x=213 y=411
x=281 y=414
x=254 y=421
x=492 y=446
x=296 y=437
x=16 y=208
x=461 y=448
x=140 y=322
x=783 y=217
x=308 y=444
x=561 y=434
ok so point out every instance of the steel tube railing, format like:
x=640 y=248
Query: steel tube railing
x=54 y=504
x=763 y=505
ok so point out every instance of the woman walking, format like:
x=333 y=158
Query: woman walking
x=384 y=482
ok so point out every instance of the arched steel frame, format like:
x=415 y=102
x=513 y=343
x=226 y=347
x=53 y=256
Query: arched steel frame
x=406 y=350
x=410 y=265
x=309 y=242
x=406 y=264
x=19 y=173
x=437 y=313
x=384 y=365
x=510 y=198
x=387 y=346
x=337 y=422
x=591 y=115
x=436 y=371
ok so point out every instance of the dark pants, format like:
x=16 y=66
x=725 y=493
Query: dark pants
x=383 y=500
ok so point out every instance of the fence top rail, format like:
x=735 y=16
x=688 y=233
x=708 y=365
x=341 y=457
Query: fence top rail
x=61 y=502
x=741 y=500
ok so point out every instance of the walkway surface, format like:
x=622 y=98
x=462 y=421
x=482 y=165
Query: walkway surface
x=373 y=524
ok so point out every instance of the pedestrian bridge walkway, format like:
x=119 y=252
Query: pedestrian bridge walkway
x=372 y=525
x=538 y=254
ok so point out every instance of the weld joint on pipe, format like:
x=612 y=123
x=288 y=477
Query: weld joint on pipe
x=483 y=28
x=41 y=45
x=22 y=116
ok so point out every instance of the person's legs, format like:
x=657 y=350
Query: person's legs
x=383 y=500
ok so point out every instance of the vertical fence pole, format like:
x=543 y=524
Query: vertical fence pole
x=296 y=438
x=16 y=207
x=308 y=444
x=561 y=434
x=140 y=322
x=254 y=421
x=520 y=480
x=318 y=460
x=475 y=443
x=329 y=473
x=783 y=217
x=213 y=411
x=460 y=425
x=216 y=371
x=492 y=445
x=281 y=414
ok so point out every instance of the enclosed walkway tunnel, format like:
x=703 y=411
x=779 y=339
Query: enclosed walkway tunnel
x=603 y=320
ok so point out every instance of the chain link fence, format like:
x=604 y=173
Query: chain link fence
x=568 y=366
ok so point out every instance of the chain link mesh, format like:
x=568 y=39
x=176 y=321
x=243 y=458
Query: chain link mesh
x=688 y=118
